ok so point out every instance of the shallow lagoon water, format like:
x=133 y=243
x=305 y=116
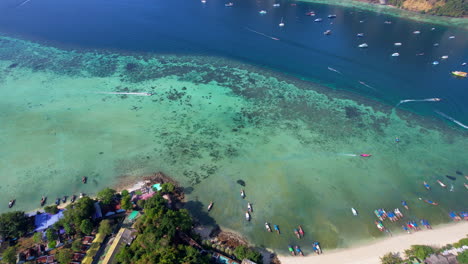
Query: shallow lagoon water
x=213 y=120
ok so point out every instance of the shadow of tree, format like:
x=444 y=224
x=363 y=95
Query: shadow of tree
x=198 y=211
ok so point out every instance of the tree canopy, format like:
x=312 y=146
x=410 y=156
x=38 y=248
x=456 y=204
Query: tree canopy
x=86 y=227
x=463 y=257
x=15 y=224
x=105 y=227
x=244 y=252
x=391 y=258
x=64 y=256
x=106 y=195
x=419 y=251
x=9 y=255
x=76 y=213
x=157 y=237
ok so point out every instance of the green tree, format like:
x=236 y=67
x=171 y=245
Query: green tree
x=64 y=256
x=15 y=224
x=124 y=193
x=419 y=251
x=124 y=256
x=244 y=252
x=167 y=187
x=106 y=195
x=76 y=245
x=77 y=212
x=51 y=234
x=105 y=227
x=86 y=227
x=463 y=257
x=51 y=209
x=462 y=242
x=391 y=258
x=37 y=237
x=126 y=203
x=52 y=244
x=9 y=255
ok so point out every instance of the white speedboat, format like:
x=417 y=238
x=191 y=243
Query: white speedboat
x=262 y=12
x=318 y=20
x=249 y=207
x=444 y=57
x=247 y=216
x=328 y=32
x=363 y=45
x=360 y=35
x=397 y=44
x=276 y=5
x=281 y=24
x=436 y=44
x=417 y=32
x=230 y=4
x=355 y=213
x=396 y=54
x=331 y=16
x=435 y=63
x=451 y=37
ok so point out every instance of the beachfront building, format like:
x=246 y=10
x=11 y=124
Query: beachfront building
x=93 y=250
x=220 y=258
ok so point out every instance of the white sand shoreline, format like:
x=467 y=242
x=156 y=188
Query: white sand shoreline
x=370 y=253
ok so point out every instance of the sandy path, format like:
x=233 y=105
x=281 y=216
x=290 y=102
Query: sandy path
x=370 y=253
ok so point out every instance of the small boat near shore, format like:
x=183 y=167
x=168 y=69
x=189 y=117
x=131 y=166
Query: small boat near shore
x=360 y=35
x=363 y=45
x=84 y=179
x=332 y=16
x=11 y=203
x=429 y=201
x=281 y=24
x=318 y=20
x=311 y=13
x=247 y=216
x=466 y=185
x=426 y=185
x=43 y=200
x=277 y=229
x=328 y=32
x=316 y=248
x=355 y=213
x=210 y=206
x=296 y=232
x=435 y=63
x=73 y=198
x=451 y=177
x=230 y=4
x=64 y=199
x=242 y=193
x=444 y=57
x=301 y=231
x=267 y=226
x=276 y=5
x=441 y=184
x=397 y=44
x=396 y=54
x=249 y=207
x=262 y=12
x=416 y=32
x=291 y=250
x=299 y=251
x=57 y=201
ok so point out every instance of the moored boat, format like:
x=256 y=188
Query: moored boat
x=84 y=179
x=299 y=251
x=210 y=206
x=281 y=24
x=316 y=247
x=459 y=74
x=380 y=226
x=73 y=198
x=444 y=57
x=301 y=231
x=328 y=32
x=276 y=5
x=262 y=12
x=417 y=32
x=435 y=63
x=332 y=16
x=247 y=216
x=426 y=185
x=64 y=199
x=397 y=44
x=311 y=13
x=267 y=226
x=43 y=200
x=296 y=232
x=318 y=20
x=451 y=37
x=466 y=185
x=354 y=211
x=291 y=250
x=242 y=193
x=249 y=207
x=230 y=4
x=277 y=229
x=11 y=203
x=441 y=184
x=57 y=201
x=363 y=45
x=360 y=35
x=396 y=54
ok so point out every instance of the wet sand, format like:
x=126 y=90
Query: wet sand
x=370 y=253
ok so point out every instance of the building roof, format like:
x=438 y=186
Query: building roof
x=93 y=250
x=440 y=259
x=44 y=220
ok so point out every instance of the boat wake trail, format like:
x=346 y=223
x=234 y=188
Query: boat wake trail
x=347 y=154
x=368 y=86
x=334 y=70
x=452 y=119
x=23 y=3
x=419 y=100
x=261 y=34
x=138 y=94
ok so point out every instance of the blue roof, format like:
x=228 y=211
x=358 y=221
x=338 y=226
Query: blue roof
x=43 y=221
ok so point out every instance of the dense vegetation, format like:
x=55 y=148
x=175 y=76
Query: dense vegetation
x=15 y=224
x=158 y=240
x=452 y=8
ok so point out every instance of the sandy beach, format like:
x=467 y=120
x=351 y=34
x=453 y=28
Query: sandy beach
x=370 y=253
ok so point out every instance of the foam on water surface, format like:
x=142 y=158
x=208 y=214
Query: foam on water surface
x=208 y=123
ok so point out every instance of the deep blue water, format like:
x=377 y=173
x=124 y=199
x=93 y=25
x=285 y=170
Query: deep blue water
x=190 y=27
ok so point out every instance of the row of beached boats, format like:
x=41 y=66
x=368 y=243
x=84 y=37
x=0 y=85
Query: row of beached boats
x=58 y=200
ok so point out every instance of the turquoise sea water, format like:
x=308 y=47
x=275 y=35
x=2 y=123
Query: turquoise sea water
x=212 y=120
